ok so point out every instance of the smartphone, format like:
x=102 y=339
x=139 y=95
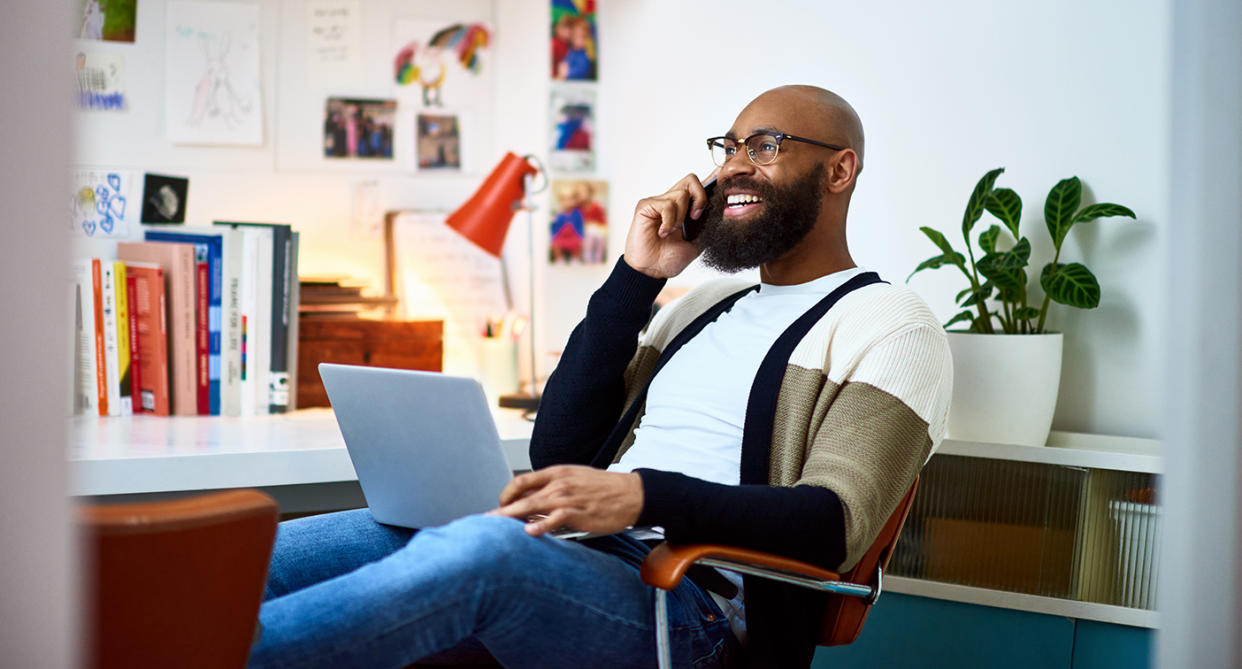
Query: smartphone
x=690 y=228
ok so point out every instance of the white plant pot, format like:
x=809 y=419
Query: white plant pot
x=1004 y=387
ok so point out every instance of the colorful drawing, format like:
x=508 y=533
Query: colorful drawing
x=573 y=112
x=439 y=142
x=212 y=76
x=110 y=20
x=424 y=62
x=574 y=48
x=354 y=128
x=579 y=232
x=100 y=203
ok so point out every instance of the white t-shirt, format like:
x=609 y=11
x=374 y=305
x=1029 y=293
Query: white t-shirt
x=696 y=406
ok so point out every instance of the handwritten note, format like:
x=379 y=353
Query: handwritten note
x=333 y=29
x=443 y=275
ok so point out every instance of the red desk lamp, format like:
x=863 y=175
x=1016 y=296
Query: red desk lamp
x=484 y=219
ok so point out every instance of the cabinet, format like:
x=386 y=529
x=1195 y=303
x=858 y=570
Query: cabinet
x=359 y=341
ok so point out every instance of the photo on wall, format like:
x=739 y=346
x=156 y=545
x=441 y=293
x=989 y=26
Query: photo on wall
x=573 y=128
x=439 y=142
x=164 y=198
x=579 y=233
x=574 y=47
x=108 y=20
x=358 y=128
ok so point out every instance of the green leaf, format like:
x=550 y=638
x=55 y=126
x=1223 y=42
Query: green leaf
x=1005 y=204
x=1011 y=285
x=987 y=240
x=978 y=296
x=1101 y=210
x=1026 y=313
x=1073 y=285
x=993 y=265
x=1059 y=208
x=961 y=316
x=941 y=243
x=978 y=198
x=936 y=262
x=963 y=293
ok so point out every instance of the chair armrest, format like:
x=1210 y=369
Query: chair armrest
x=666 y=565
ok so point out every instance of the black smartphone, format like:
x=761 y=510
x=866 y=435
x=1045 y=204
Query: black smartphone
x=690 y=228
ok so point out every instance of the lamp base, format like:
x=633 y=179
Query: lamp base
x=521 y=401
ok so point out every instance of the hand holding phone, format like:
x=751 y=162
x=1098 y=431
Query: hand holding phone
x=690 y=228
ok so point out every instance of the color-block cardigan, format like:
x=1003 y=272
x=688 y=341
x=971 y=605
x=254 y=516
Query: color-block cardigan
x=862 y=405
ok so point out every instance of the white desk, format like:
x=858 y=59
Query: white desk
x=300 y=457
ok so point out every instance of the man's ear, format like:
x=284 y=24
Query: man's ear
x=842 y=171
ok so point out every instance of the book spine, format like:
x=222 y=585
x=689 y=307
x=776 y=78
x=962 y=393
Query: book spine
x=84 y=322
x=278 y=379
x=156 y=373
x=202 y=340
x=295 y=299
x=215 y=324
x=112 y=362
x=123 y=344
x=135 y=349
x=101 y=369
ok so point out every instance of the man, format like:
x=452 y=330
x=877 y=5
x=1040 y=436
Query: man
x=791 y=418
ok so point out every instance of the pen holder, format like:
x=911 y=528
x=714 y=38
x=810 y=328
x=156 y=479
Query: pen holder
x=498 y=367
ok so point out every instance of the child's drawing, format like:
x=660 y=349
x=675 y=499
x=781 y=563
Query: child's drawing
x=212 y=74
x=426 y=59
x=100 y=203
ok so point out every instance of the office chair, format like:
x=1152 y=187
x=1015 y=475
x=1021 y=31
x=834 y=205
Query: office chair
x=176 y=583
x=852 y=593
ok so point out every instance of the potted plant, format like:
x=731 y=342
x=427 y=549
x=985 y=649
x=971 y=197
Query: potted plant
x=1007 y=367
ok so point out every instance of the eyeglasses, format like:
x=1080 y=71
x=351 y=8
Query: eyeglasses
x=761 y=147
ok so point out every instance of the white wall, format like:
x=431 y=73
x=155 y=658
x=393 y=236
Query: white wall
x=38 y=574
x=946 y=91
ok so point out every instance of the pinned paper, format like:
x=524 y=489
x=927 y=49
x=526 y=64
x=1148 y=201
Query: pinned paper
x=333 y=29
x=100 y=77
x=102 y=203
x=212 y=77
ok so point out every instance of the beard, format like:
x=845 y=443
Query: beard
x=788 y=215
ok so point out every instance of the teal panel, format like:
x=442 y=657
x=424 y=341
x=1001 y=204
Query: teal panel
x=907 y=631
x=1104 y=646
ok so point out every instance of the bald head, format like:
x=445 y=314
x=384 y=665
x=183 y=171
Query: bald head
x=827 y=116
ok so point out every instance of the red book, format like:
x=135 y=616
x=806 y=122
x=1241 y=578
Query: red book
x=147 y=313
x=202 y=340
x=135 y=355
x=101 y=369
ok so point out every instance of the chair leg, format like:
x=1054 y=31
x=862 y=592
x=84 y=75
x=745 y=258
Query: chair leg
x=664 y=659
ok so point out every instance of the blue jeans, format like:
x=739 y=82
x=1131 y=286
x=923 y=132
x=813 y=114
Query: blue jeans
x=346 y=591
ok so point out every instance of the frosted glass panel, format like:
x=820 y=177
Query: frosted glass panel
x=1049 y=530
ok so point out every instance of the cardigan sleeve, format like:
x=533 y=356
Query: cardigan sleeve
x=585 y=396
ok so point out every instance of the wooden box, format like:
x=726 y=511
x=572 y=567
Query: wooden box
x=356 y=341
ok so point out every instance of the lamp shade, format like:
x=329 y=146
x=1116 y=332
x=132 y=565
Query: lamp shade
x=484 y=218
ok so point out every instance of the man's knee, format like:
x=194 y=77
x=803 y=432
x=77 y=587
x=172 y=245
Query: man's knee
x=481 y=547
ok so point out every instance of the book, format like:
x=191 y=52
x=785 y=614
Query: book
x=177 y=260
x=86 y=378
x=101 y=365
x=107 y=273
x=256 y=295
x=284 y=276
x=295 y=298
x=149 y=320
x=135 y=356
x=123 y=345
x=209 y=246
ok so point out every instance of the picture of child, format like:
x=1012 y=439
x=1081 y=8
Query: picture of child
x=579 y=232
x=574 y=52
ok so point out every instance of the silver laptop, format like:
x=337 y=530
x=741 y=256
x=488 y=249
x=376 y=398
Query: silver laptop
x=423 y=444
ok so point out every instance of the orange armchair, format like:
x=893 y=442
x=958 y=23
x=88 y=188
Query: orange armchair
x=176 y=583
x=853 y=592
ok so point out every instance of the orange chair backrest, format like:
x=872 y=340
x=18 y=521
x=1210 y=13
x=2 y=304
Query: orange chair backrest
x=844 y=615
x=176 y=583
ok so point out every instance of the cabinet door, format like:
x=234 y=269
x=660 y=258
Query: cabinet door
x=913 y=632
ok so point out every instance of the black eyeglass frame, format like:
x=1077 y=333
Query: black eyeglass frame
x=779 y=136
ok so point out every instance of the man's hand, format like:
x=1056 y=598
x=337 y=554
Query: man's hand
x=584 y=498
x=654 y=245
